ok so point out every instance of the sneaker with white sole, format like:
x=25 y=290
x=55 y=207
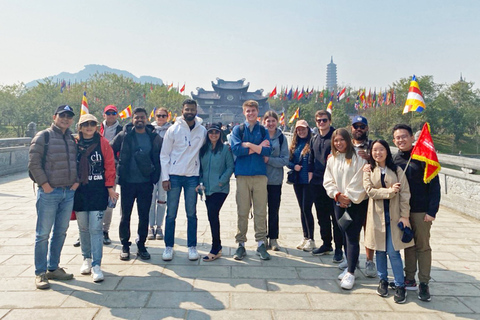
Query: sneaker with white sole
x=309 y=246
x=193 y=254
x=343 y=265
x=370 y=269
x=86 y=267
x=301 y=244
x=348 y=281
x=341 y=275
x=167 y=254
x=97 y=274
x=151 y=234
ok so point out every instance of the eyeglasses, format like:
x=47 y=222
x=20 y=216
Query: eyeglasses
x=324 y=120
x=65 y=115
x=161 y=115
x=111 y=113
x=89 y=123
x=359 y=126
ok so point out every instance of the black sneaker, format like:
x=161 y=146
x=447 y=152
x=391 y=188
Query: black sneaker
x=400 y=295
x=392 y=285
x=106 y=238
x=143 y=254
x=410 y=285
x=382 y=289
x=424 y=292
x=322 y=250
x=338 y=256
x=76 y=244
x=262 y=252
x=125 y=254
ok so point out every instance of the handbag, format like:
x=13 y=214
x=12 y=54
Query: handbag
x=292 y=176
x=143 y=160
x=345 y=220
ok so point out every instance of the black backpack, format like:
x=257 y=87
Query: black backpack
x=46 y=135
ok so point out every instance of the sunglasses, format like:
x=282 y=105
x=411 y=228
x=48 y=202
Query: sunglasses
x=161 y=115
x=359 y=126
x=111 y=113
x=65 y=115
x=89 y=123
x=213 y=132
x=324 y=120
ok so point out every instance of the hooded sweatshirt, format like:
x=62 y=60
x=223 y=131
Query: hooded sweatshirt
x=161 y=129
x=278 y=159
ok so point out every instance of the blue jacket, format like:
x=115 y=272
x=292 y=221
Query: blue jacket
x=249 y=164
x=216 y=170
x=297 y=158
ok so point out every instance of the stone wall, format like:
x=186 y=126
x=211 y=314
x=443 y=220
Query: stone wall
x=13 y=160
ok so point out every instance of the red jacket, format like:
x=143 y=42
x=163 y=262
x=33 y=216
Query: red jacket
x=109 y=162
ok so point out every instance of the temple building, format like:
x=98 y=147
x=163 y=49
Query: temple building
x=224 y=103
x=332 y=76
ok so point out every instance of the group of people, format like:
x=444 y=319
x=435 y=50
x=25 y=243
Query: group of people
x=354 y=182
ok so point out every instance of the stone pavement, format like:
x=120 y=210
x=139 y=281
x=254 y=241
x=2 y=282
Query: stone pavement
x=293 y=285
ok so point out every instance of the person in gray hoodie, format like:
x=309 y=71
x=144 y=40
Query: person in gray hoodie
x=275 y=163
x=159 y=197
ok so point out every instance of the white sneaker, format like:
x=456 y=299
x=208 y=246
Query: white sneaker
x=343 y=265
x=348 y=281
x=193 y=254
x=309 y=246
x=301 y=244
x=86 y=267
x=341 y=275
x=97 y=274
x=167 y=254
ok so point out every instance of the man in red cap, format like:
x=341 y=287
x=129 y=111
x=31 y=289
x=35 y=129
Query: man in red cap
x=109 y=128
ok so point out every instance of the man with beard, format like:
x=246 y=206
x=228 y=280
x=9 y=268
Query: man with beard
x=362 y=144
x=138 y=170
x=181 y=169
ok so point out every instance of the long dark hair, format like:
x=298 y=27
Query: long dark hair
x=388 y=161
x=350 y=150
x=208 y=145
x=293 y=146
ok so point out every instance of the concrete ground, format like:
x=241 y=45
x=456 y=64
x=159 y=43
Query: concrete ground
x=293 y=285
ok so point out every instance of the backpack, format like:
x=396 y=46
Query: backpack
x=264 y=132
x=46 y=135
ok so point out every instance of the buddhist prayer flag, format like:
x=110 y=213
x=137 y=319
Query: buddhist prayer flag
x=415 y=100
x=84 y=108
x=273 y=93
x=182 y=88
x=152 y=114
x=330 y=105
x=342 y=94
x=126 y=113
x=170 y=87
x=295 y=115
x=169 y=116
x=424 y=151
x=282 y=119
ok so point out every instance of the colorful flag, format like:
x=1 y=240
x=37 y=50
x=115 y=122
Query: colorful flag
x=300 y=96
x=374 y=99
x=273 y=93
x=282 y=119
x=330 y=105
x=152 y=114
x=290 y=94
x=126 y=113
x=170 y=87
x=169 y=116
x=424 y=151
x=295 y=115
x=84 y=108
x=394 y=97
x=182 y=88
x=342 y=94
x=415 y=100
x=295 y=95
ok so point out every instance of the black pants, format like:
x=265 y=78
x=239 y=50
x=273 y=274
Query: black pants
x=302 y=191
x=326 y=217
x=143 y=193
x=274 y=198
x=352 y=233
x=214 y=203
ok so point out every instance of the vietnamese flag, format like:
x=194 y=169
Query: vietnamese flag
x=273 y=93
x=424 y=151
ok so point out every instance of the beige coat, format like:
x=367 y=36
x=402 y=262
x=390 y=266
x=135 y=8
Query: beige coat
x=399 y=207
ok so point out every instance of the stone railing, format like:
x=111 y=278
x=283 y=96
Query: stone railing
x=14 y=155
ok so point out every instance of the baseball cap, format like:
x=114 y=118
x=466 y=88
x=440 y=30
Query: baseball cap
x=214 y=126
x=87 y=117
x=64 y=108
x=301 y=123
x=110 y=107
x=360 y=119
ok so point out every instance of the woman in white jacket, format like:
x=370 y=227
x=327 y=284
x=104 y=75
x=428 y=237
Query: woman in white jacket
x=343 y=182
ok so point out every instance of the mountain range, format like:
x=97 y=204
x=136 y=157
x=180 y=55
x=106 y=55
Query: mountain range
x=90 y=70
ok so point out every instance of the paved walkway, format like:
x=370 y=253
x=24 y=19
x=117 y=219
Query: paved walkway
x=293 y=285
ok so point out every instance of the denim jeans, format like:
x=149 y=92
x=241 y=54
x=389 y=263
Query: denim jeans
x=395 y=261
x=53 y=215
x=173 y=197
x=91 y=235
x=157 y=210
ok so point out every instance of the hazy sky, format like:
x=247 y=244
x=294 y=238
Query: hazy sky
x=267 y=42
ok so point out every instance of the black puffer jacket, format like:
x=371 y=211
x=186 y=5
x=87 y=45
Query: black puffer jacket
x=124 y=143
x=320 y=148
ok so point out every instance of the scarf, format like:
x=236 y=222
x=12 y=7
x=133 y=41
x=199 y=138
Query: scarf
x=85 y=148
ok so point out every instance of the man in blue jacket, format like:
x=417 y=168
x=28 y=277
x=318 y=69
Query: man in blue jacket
x=250 y=143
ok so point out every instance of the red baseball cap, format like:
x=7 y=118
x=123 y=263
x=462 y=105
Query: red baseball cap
x=110 y=107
